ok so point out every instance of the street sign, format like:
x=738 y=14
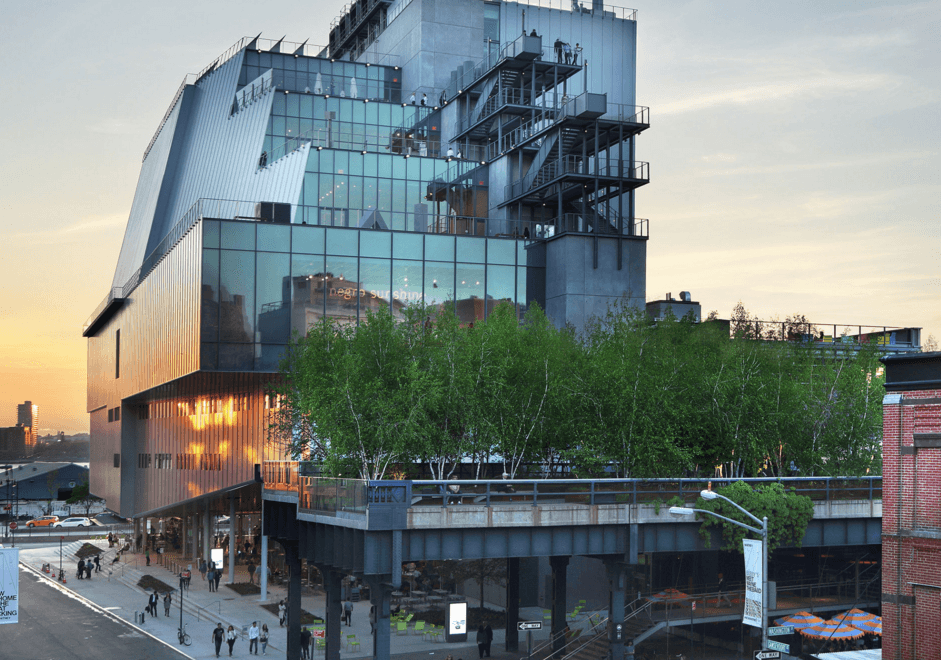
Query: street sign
x=780 y=630
x=779 y=646
x=767 y=655
x=13 y=525
x=529 y=625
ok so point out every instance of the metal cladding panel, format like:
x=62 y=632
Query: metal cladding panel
x=220 y=156
x=159 y=330
x=103 y=479
x=149 y=185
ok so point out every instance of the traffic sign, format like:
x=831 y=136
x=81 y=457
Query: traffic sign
x=13 y=525
x=780 y=630
x=529 y=625
x=779 y=646
x=767 y=655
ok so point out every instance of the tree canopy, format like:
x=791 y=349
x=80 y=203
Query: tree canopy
x=628 y=397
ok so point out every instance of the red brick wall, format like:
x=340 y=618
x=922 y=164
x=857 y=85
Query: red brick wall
x=911 y=529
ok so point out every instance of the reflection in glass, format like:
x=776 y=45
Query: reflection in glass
x=501 y=251
x=211 y=233
x=374 y=288
x=210 y=296
x=342 y=288
x=469 y=301
x=274 y=303
x=307 y=292
x=236 y=357
x=208 y=356
x=236 y=295
x=439 y=283
x=268 y=357
x=309 y=240
x=406 y=284
x=238 y=235
x=274 y=238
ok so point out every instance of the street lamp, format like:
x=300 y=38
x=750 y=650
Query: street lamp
x=761 y=531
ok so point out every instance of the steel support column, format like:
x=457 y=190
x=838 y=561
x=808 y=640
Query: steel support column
x=232 y=546
x=512 y=603
x=207 y=528
x=559 y=569
x=332 y=612
x=380 y=595
x=293 y=561
x=616 y=587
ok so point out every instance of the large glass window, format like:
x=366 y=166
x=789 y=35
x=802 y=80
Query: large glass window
x=374 y=285
x=307 y=292
x=406 y=284
x=237 y=295
x=210 y=296
x=470 y=292
x=274 y=302
x=439 y=283
x=342 y=288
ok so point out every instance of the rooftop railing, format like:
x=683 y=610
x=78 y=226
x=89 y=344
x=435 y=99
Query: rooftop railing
x=834 y=334
x=582 y=6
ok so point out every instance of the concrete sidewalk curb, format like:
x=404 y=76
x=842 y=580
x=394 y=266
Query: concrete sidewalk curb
x=88 y=603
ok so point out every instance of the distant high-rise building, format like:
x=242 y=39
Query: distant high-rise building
x=27 y=414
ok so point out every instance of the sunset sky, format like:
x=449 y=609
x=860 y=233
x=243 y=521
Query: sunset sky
x=793 y=156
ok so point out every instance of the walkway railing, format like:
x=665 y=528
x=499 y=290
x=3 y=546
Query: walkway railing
x=290 y=476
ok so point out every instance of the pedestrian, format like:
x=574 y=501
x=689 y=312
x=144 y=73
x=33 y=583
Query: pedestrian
x=282 y=613
x=305 y=643
x=218 y=635
x=81 y=569
x=186 y=576
x=567 y=49
x=412 y=99
x=488 y=633
x=442 y=98
x=88 y=568
x=424 y=99
x=250 y=567
x=167 y=601
x=218 y=578
x=253 y=634
x=211 y=576
x=558 y=50
x=348 y=612
x=263 y=638
x=203 y=568
x=372 y=619
x=481 y=641
x=98 y=563
x=230 y=638
x=152 y=601
x=533 y=33
x=147 y=556
x=578 y=51
x=722 y=595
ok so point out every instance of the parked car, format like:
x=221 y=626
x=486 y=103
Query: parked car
x=74 y=522
x=43 y=521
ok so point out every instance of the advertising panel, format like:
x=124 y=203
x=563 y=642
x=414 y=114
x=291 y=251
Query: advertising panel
x=9 y=585
x=456 y=623
x=753 y=615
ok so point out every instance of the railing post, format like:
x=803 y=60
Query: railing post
x=535 y=491
x=591 y=499
x=488 y=493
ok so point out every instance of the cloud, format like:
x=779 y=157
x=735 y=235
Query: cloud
x=76 y=230
x=816 y=85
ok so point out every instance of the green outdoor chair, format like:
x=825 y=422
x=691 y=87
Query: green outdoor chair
x=419 y=628
x=401 y=628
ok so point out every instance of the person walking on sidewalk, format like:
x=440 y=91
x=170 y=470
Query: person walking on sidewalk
x=147 y=556
x=218 y=635
x=152 y=603
x=211 y=576
x=263 y=638
x=230 y=638
x=488 y=636
x=253 y=634
x=305 y=643
x=167 y=601
x=202 y=567
x=218 y=578
x=250 y=567
x=81 y=569
x=348 y=612
x=98 y=563
x=282 y=613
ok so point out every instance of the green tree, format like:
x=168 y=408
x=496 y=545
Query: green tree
x=82 y=497
x=788 y=514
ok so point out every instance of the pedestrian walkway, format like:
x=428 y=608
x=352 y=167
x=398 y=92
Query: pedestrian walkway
x=115 y=589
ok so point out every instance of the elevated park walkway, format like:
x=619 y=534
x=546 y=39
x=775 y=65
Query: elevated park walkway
x=370 y=528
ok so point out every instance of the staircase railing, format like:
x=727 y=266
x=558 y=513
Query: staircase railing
x=553 y=638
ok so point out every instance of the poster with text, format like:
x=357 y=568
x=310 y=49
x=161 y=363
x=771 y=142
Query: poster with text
x=9 y=585
x=754 y=579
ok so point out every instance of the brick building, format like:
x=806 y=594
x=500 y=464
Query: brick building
x=911 y=518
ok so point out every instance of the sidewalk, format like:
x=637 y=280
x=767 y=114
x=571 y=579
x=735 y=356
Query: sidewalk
x=115 y=589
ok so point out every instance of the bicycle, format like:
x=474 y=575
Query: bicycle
x=183 y=636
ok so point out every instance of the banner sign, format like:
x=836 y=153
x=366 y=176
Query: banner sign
x=753 y=615
x=9 y=585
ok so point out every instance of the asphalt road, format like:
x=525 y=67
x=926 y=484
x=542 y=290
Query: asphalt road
x=58 y=626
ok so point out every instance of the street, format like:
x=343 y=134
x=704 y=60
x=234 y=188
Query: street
x=58 y=626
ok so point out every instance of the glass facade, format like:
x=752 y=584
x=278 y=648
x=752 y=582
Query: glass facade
x=263 y=282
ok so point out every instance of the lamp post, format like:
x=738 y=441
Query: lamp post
x=761 y=531
x=61 y=577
